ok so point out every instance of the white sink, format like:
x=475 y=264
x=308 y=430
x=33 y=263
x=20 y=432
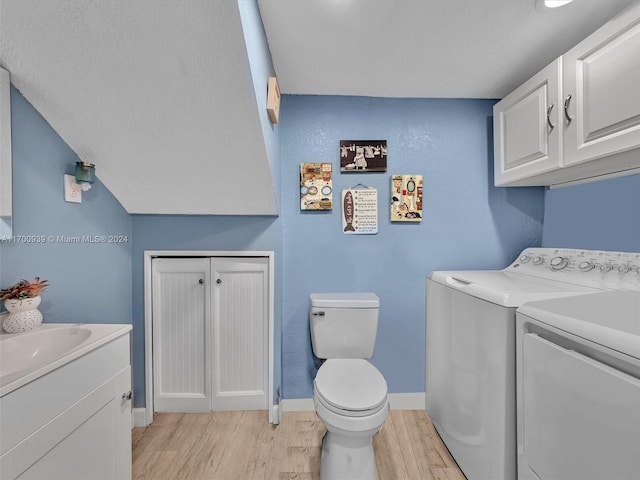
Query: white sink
x=38 y=348
x=27 y=356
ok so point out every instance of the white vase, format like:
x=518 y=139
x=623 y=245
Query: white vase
x=23 y=314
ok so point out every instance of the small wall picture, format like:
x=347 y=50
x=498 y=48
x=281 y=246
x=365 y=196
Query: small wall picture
x=360 y=211
x=363 y=156
x=406 y=198
x=316 y=188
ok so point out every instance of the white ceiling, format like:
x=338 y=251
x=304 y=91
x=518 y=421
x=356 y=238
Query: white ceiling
x=159 y=93
x=421 y=48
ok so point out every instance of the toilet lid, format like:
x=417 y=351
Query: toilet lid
x=351 y=384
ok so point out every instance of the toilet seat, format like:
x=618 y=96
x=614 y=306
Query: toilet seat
x=351 y=387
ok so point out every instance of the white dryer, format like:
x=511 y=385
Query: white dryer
x=471 y=351
x=578 y=387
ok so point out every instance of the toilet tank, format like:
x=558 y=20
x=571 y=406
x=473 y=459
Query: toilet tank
x=344 y=325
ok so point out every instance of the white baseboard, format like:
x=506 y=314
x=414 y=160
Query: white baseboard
x=274 y=417
x=297 y=405
x=139 y=417
x=397 y=401
x=407 y=401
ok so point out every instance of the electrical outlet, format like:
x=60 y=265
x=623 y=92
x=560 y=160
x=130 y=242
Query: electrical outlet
x=72 y=191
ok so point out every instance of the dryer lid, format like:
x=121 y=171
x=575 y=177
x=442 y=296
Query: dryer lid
x=351 y=384
x=611 y=319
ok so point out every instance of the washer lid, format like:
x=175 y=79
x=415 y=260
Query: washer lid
x=345 y=300
x=351 y=384
x=508 y=289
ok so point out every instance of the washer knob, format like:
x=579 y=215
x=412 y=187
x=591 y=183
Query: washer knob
x=538 y=260
x=606 y=267
x=558 y=263
x=624 y=269
x=525 y=258
x=586 y=266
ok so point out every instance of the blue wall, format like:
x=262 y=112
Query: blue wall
x=261 y=69
x=95 y=283
x=468 y=224
x=594 y=216
x=89 y=282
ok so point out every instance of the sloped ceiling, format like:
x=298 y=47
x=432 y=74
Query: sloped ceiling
x=157 y=93
x=421 y=48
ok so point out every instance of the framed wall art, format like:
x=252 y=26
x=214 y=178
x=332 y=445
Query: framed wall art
x=316 y=187
x=363 y=156
x=360 y=210
x=406 y=198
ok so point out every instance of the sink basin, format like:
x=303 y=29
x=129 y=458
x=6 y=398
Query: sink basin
x=24 y=357
x=38 y=348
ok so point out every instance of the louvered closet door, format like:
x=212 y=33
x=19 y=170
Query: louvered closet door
x=240 y=328
x=181 y=350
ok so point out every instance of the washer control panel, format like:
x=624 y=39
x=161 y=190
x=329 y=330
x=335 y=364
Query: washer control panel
x=593 y=268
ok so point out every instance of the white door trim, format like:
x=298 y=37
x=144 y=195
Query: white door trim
x=148 y=319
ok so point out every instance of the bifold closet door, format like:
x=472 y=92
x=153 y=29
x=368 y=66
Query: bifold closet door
x=181 y=334
x=240 y=330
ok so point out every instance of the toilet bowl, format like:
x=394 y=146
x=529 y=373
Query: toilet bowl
x=350 y=397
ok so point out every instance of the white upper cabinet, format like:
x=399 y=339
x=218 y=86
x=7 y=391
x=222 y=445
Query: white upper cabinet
x=602 y=76
x=527 y=127
x=579 y=118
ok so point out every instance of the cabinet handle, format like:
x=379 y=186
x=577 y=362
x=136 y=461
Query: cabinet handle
x=566 y=108
x=128 y=395
x=218 y=281
x=551 y=125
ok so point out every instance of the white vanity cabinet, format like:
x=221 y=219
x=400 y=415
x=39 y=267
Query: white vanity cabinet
x=577 y=119
x=72 y=423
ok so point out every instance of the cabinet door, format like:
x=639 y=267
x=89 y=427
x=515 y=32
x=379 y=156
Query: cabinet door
x=240 y=331
x=96 y=444
x=527 y=129
x=181 y=349
x=210 y=334
x=602 y=76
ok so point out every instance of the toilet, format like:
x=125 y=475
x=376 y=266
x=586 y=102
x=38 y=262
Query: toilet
x=349 y=393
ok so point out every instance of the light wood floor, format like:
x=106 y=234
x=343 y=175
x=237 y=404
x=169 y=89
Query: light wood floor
x=244 y=446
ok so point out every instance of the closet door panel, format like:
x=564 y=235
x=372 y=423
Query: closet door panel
x=181 y=351
x=240 y=331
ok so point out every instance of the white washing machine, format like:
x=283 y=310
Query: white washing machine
x=578 y=387
x=471 y=351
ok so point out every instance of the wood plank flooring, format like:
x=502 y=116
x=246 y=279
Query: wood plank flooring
x=242 y=445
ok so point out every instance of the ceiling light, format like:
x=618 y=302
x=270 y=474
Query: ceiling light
x=546 y=5
x=556 y=3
